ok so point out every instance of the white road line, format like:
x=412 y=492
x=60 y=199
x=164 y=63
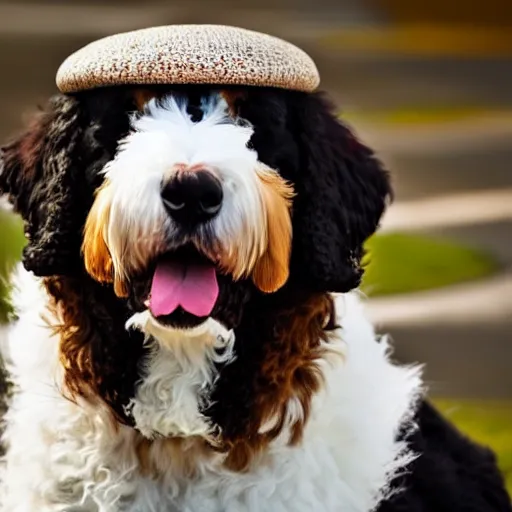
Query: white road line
x=490 y=131
x=477 y=302
x=450 y=211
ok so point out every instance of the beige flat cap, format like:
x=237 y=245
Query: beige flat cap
x=189 y=54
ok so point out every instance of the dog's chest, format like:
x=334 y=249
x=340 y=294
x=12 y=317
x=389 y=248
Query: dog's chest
x=300 y=480
x=64 y=456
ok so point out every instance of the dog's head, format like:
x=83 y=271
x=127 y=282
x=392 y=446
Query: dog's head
x=171 y=209
x=178 y=198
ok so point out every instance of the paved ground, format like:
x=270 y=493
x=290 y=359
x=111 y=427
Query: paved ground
x=470 y=359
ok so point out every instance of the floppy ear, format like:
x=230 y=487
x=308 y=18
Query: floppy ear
x=272 y=269
x=342 y=191
x=50 y=172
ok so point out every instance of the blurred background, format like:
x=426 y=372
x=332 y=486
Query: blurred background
x=429 y=85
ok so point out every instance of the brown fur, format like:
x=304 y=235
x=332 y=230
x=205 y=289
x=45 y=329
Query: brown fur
x=182 y=454
x=142 y=96
x=287 y=370
x=75 y=357
x=272 y=269
x=100 y=358
x=23 y=154
x=97 y=258
x=232 y=97
x=31 y=145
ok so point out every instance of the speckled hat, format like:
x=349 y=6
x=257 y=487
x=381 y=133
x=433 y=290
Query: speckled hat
x=189 y=54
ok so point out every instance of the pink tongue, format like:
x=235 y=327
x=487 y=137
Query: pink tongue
x=193 y=287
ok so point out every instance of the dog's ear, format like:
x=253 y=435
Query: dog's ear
x=342 y=191
x=49 y=174
x=272 y=269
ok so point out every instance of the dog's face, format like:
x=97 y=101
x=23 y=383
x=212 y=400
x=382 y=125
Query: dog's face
x=186 y=206
x=179 y=198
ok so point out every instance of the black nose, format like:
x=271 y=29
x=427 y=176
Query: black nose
x=192 y=197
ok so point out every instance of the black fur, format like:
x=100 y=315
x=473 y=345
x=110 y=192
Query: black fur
x=51 y=171
x=241 y=382
x=102 y=356
x=342 y=189
x=451 y=474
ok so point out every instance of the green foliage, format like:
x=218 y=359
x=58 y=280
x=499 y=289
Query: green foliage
x=401 y=263
x=11 y=245
x=487 y=422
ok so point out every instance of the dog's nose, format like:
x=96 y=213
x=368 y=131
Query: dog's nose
x=192 y=197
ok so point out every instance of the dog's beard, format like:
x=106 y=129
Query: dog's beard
x=209 y=328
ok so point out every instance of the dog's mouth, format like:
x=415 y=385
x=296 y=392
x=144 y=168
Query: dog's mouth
x=183 y=288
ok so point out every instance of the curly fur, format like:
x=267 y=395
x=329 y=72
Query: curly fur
x=51 y=171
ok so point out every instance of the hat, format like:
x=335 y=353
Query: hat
x=189 y=54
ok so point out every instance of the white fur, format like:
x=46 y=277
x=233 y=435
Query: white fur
x=178 y=372
x=162 y=138
x=69 y=457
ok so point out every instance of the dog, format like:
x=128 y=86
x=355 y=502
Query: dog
x=189 y=334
